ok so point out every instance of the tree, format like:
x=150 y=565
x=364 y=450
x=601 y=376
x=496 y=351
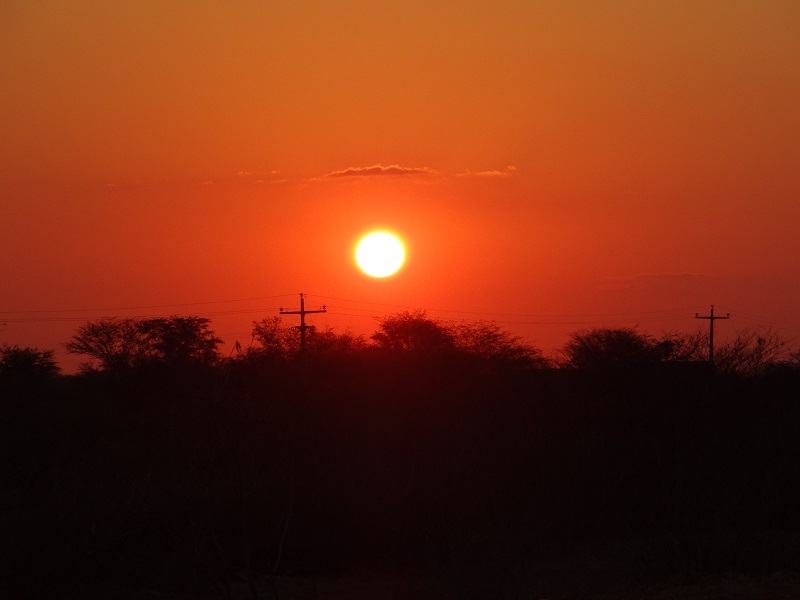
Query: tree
x=114 y=343
x=328 y=343
x=276 y=340
x=751 y=352
x=413 y=331
x=484 y=342
x=178 y=340
x=791 y=362
x=605 y=347
x=488 y=342
x=123 y=344
x=27 y=363
x=680 y=347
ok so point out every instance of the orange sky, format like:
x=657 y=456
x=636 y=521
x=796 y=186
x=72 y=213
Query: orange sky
x=611 y=163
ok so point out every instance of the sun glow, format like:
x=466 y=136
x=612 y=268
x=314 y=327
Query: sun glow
x=380 y=254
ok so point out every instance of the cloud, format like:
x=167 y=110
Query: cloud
x=379 y=169
x=648 y=280
x=506 y=172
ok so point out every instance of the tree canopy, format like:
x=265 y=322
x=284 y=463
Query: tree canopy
x=123 y=344
x=482 y=341
x=606 y=347
x=26 y=363
x=413 y=331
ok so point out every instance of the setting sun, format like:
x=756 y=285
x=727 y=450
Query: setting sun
x=380 y=254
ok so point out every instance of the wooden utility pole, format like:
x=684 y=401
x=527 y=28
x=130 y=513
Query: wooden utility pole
x=711 y=318
x=303 y=327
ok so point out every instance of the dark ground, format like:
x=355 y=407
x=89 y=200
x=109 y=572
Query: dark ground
x=402 y=480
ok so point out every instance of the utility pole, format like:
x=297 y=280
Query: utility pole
x=303 y=327
x=711 y=318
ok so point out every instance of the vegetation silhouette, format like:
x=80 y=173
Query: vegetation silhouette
x=27 y=363
x=451 y=452
x=124 y=344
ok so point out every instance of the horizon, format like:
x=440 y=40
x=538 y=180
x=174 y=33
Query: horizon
x=342 y=314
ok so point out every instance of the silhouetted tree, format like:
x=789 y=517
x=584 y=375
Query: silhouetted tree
x=413 y=331
x=115 y=343
x=26 y=363
x=604 y=347
x=750 y=352
x=178 y=340
x=328 y=343
x=685 y=347
x=276 y=340
x=484 y=342
x=487 y=341
x=791 y=361
x=122 y=344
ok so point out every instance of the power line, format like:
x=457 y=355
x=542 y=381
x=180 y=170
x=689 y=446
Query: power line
x=244 y=311
x=767 y=320
x=67 y=310
x=350 y=300
x=534 y=315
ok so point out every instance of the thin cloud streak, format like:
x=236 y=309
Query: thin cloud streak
x=509 y=171
x=380 y=170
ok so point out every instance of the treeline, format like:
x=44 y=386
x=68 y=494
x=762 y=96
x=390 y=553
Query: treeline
x=443 y=450
x=120 y=345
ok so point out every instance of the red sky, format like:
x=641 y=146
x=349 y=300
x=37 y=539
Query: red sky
x=557 y=165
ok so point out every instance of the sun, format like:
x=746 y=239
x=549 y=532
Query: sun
x=380 y=254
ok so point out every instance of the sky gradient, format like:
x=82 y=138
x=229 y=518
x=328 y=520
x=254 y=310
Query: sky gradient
x=551 y=166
